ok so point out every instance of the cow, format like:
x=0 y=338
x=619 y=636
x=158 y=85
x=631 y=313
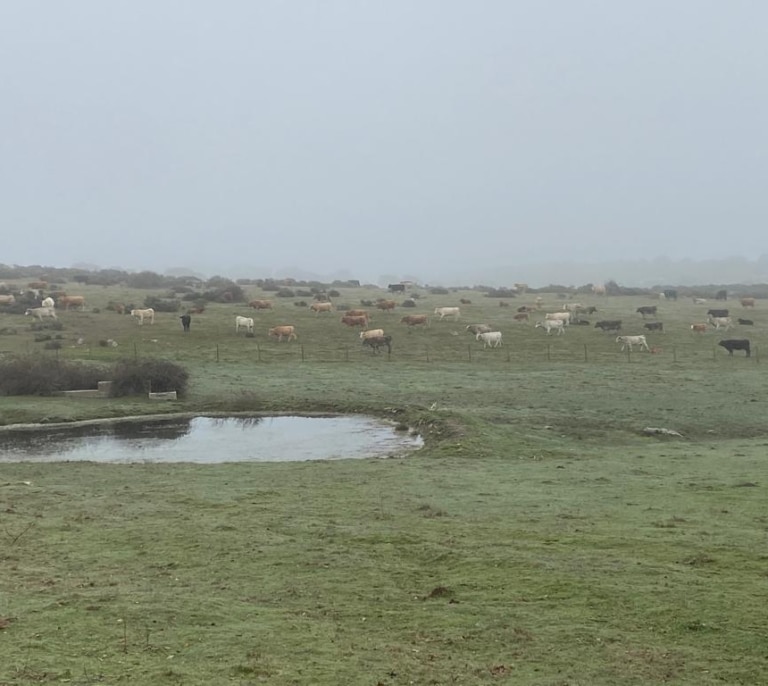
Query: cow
x=48 y=302
x=699 y=301
x=355 y=321
x=317 y=308
x=670 y=294
x=444 y=312
x=465 y=301
x=721 y=322
x=609 y=325
x=526 y=308
x=186 y=320
x=718 y=313
x=721 y=295
x=37 y=285
x=747 y=302
x=358 y=313
x=243 y=323
x=286 y=330
x=371 y=333
x=415 y=320
x=564 y=317
x=580 y=322
x=260 y=304
x=521 y=287
x=475 y=329
x=396 y=288
x=745 y=322
x=489 y=338
x=647 y=309
x=41 y=313
x=598 y=289
x=502 y=303
x=629 y=341
x=386 y=305
x=699 y=328
x=522 y=317
x=376 y=342
x=654 y=326
x=591 y=309
x=731 y=344
x=66 y=301
x=7 y=299
x=149 y=313
x=573 y=307
x=550 y=324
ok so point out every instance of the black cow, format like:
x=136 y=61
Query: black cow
x=721 y=295
x=609 y=325
x=579 y=322
x=717 y=313
x=670 y=294
x=376 y=342
x=396 y=288
x=746 y=322
x=647 y=309
x=731 y=344
x=654 y=326
x=591 y=309
x=186 y=320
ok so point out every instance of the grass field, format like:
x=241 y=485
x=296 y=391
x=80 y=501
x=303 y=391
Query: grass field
x=539 y=537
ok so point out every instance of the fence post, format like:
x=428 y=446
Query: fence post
x=427 y=349
x=258 y=352
x=469 y=352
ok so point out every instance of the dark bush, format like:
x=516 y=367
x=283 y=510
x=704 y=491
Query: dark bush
x=131 y=377
x=439 y=291
x=410 y=302
x=333 y=293
x=45 y=375
x=52 y=345
x=342 y=307
x=47 y=325
x=40 y=337
x=285 y=293
x=8 y=331
x=303 y=293
x=162 y=304
x=501 y=293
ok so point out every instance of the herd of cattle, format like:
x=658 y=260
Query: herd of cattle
x=570 y=314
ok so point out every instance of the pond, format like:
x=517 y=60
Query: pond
x=208 y=440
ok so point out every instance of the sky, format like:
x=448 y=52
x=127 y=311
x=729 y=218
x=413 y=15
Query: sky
x=398 y=137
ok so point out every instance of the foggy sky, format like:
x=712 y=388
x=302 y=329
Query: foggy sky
x=422 y=137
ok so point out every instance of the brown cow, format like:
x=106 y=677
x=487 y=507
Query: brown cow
x=358 y=313
x=415 y=320
x=38 y=285
x=360 y=320
x=521 y=317
x=465 y=301
x=699 y=328
x=386 y=305
x=66 y=301
x=747 y=302
x=260 y=304
x=285 y=330
x=317 y=308
x=7 y=299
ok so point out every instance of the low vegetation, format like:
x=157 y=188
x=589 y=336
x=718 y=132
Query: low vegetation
x=133 y=377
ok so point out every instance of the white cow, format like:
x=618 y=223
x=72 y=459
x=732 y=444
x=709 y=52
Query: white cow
x=489 y=338
x=699 y=301
x=721 y=322
x=629 y=341
x=148 y=312
x=550 y=324
x=41 y=313
x=371 y=333
x=243 y=323
x=448 y=312
x=564 y=317
x=48 y=302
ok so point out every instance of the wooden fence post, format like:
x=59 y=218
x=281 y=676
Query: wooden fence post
x=258 y=352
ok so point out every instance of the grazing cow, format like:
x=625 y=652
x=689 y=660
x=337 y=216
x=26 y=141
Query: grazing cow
x=355 y=321
x=376 y=342
x=502 y=303
x=564 y=317
x=598 y=289
x=287 y=330
x=415 y=320
x=358 y=313
x=475 y=329
x=647 y=309
x=526 y=308
x=699 y=328
x=7 y=299
x=699 y=301
x=489 y=338
x=41 y=313
x=260 y=304
x=465 y=301
x=149 y=313
x=721 y=322
x=522 y=317
x=747 y=302
x=718 y=313
x=386 y=305
x=67 y=301
x=579 y=322
x=186 y=320
x=520 y=287
x=243 y=323
x=371 y=333
x=654 y=326
x=448 y=312
x=731 y=344
x=396 y=288
x=317 y=308
x=591 y=309
x=670 y=294
x=629 y=341
x=38 y=285
x=609 y=325
x=48 y=302
x=746 y=322
x=573 y=307
x=721 y=295
x=550 y=324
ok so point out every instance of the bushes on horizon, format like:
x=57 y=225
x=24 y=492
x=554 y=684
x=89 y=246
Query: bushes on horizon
x=134 y=377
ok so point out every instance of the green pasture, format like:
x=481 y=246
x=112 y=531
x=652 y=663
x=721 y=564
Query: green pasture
x=538 y=538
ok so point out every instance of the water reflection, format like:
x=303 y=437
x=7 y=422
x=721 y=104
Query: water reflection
x=209 y=440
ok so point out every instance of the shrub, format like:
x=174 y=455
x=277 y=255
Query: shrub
x=410 y=302
x=439 y=291
x=52 y=345
x=333 y=293
x=44 y=375
x=285 y=293
x=131 y=377
x=162 y=304
x=47 y=324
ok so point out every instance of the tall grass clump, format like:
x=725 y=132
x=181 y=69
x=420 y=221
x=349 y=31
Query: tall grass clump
x=43 y=375
x=130 y=377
